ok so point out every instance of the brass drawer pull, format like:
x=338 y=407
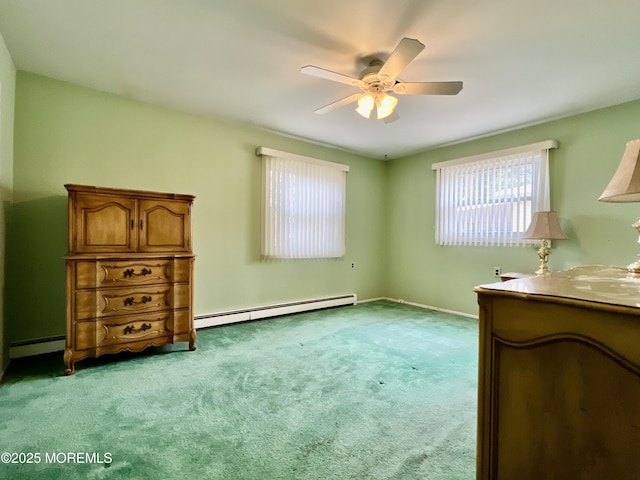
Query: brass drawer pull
x=131 y=300
x=130 y=272
x=131 y=329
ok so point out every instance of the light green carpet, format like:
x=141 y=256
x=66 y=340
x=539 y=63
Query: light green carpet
x=375 y=391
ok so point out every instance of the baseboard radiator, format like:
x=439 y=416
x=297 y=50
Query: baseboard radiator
x=233 y=316
x=38 y=346
x=56 y=344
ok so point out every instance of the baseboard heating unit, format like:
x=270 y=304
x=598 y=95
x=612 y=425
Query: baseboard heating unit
x=56 y=344
x=233 y=316
x=36 y=347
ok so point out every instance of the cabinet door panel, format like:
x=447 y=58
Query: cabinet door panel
x=104 y=224
x=164 y=226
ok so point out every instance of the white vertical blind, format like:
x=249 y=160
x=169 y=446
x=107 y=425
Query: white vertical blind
x=304 y=207
x=489 y=201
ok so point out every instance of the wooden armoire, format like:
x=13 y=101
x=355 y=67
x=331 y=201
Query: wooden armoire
x=129 y=271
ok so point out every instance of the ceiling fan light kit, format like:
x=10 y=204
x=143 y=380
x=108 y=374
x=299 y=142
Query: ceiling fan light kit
x=381 y=77
x=384 y=104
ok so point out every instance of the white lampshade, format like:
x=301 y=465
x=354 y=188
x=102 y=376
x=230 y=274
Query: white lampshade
x=544 y=226
x=625 y=184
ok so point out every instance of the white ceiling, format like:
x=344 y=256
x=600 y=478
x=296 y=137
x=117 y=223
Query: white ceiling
x=522 y=62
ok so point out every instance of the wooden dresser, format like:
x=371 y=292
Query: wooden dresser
x=129 y=271
x=559 y=378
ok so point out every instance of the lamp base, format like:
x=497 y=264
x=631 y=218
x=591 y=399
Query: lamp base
x=543 y=253
x=634 y=267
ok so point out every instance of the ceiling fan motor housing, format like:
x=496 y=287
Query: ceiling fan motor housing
x=373 y=81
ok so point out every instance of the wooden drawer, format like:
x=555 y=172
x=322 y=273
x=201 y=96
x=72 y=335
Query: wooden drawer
x=106 y=273
x=133 y=328
x=126 y=301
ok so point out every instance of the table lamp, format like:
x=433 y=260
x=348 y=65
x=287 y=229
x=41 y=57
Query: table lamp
x=544 y=226
x=625 y=186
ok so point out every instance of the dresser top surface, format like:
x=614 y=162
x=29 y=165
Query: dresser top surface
x=590 y=283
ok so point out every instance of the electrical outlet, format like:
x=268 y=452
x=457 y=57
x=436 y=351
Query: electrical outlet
x=497 y=271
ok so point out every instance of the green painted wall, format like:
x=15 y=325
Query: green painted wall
x=7 y=95
x=590 y=149
x=69 y=134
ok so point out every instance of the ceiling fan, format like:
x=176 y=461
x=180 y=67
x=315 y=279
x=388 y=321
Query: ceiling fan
x=382 y=77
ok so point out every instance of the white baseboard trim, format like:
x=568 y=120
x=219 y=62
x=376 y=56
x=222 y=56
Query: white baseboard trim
x=431 y=307
x=376 y=299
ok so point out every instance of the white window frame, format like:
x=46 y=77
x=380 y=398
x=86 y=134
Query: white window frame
x=303 y=206
x=468 y=214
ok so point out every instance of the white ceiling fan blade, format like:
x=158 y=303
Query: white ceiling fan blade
x=427 y=88
x=329 y=75
x=407 y=50
x=339 y=103
x=391 y=118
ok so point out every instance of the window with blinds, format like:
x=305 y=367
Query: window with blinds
x=303 y=206
x=489 y=199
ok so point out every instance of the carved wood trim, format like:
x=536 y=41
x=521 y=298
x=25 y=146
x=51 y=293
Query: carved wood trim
x=574 y=337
